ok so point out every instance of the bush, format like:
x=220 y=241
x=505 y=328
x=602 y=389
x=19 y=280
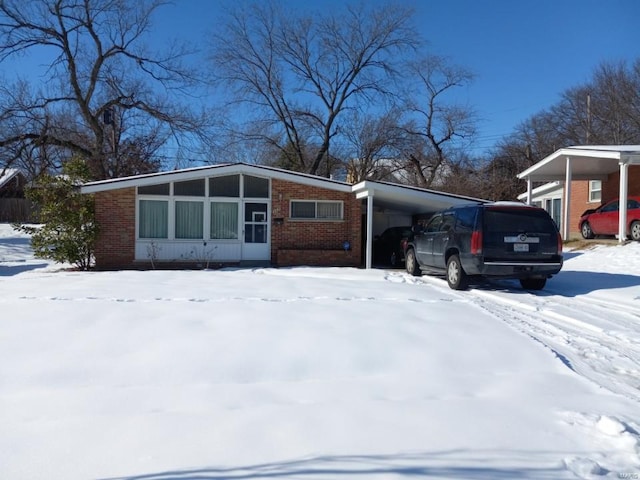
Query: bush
x=68 y=232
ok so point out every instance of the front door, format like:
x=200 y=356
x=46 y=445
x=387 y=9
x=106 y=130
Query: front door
x=256 y=244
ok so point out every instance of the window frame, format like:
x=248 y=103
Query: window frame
x=595 y=192
x=206 y=200
x=187 y=200
x=226 y=200
x=154 y=198
x=315 y=218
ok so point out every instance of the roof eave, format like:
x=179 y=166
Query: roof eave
x=201 y=172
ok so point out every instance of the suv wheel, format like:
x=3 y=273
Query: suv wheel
x=456 y=276
x=411 y=264
x=635 y=231
x=585 y=230
x=533 y=283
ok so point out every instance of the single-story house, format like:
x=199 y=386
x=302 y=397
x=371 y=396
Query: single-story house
x=583 y=177
x=249 y=214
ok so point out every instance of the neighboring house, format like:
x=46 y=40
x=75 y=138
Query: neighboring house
x=12 y=183
x=13 y=206
x=593 y=174
x=240 y=213
x=549 y=197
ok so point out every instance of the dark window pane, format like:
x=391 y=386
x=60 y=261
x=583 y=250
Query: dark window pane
x=255 y=233
x=255 y=187
x=255 y=212
x=161 y=189
x=190 y=188
x=506 y=221
x=303 y=209
x=227 y=186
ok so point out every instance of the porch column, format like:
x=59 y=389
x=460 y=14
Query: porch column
x=369 y=252
x=529 y=192
x=567 y=201
x=624 y=191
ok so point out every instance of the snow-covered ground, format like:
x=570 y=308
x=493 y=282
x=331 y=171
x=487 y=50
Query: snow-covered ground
x=317 y=373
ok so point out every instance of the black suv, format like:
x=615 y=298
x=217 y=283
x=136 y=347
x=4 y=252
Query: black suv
x=499 y=240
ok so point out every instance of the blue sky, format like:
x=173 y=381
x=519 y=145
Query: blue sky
x=524 y=53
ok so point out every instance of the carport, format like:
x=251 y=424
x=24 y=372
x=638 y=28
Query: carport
x=586 y=163
x=404 y=199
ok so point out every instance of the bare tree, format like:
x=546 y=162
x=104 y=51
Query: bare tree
x=106 y=91
x=294 y=74
x=372 y=147
x=438 y=124
x=604 y=110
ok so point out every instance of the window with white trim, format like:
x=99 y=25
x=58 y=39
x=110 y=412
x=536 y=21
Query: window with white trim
x=189 y=219
x=224 y=220
x=316 y=210
x=595 y=190
x=153 y=218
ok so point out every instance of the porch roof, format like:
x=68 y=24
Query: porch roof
x=592 y=162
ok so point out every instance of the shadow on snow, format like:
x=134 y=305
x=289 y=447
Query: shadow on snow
x=569 y=283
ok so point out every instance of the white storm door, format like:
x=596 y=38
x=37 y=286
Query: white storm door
x=256 y=242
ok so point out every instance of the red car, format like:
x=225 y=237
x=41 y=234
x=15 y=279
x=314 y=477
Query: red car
x=604 y=219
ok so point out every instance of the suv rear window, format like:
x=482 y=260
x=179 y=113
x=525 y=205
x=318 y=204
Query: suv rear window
x=517 y=220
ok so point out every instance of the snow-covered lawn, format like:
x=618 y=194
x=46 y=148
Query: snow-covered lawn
x=317 y=373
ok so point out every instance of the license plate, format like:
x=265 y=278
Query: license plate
x=520 y=247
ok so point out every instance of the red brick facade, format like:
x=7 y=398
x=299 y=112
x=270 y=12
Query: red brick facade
x=293 y=242
x=297 y=242
x=116 y=216
x=610 y=190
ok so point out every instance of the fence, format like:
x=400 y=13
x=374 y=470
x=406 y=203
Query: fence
x=17 y=210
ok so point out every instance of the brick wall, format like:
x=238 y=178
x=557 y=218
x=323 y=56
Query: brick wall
x=296 y=242
x=579 y=203
x=115 y=213
x=610 y=190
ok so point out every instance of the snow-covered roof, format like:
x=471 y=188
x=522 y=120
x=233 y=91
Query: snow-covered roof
x=7 y=175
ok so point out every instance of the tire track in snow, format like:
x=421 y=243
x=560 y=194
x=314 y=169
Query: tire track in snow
x=609 y=358
x=589 y=350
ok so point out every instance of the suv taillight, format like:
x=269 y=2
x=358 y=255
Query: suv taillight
x=560 y=244
x=476 y=242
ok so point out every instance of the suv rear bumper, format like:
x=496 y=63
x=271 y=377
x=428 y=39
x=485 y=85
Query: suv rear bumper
x=512 y=269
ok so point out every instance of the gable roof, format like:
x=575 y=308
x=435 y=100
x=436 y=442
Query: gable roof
x=386 y=195
x=222 y=169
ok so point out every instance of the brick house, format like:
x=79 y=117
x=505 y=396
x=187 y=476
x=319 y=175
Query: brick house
x=593 y=174
x=241 y=213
